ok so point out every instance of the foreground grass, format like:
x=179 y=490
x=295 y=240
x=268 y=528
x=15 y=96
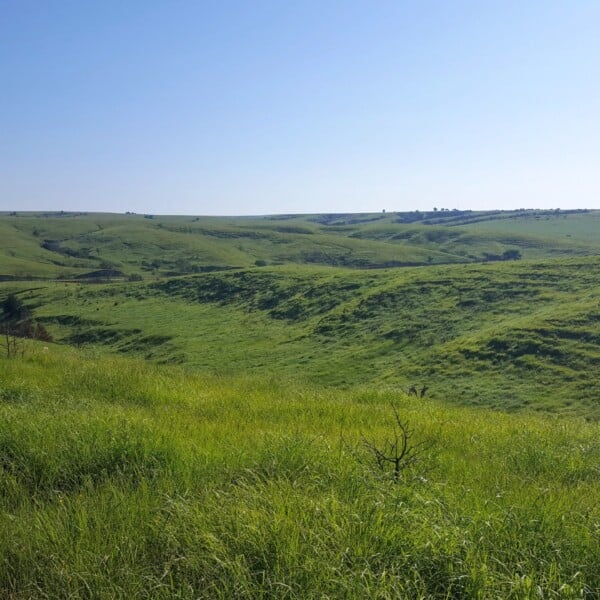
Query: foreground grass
x=120 y=479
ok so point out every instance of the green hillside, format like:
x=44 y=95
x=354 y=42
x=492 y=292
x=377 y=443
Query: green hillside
x=73 y=244
x=500 y=334
x=476 y=330
x=223 y=407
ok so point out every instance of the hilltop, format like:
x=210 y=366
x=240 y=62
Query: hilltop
x=69 y=245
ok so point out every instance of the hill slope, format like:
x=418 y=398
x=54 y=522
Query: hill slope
x=320 y=307
x=69 y=244
x=249 y=463
x=508 y=335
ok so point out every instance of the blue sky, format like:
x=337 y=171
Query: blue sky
x=222 y=107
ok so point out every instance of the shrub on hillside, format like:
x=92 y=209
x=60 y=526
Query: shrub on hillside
x=16 y=323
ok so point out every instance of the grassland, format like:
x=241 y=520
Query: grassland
x=121 y=479
x=320 y=308
x=73 y=244
x=523 y=334
x=197 y=428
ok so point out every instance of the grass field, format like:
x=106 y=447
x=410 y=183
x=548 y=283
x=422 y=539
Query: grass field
x=65 y=245
x=204 y=423
x=515 y=335
x=120 y=479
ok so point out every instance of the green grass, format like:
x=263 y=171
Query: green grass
x=65 y=245
x=122 y=479
x=518 y=335
x=565 y=228
x=199 y=433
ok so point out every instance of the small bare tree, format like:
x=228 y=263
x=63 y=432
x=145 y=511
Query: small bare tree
x=396 y=452
x=11 y=342
x=17 y=325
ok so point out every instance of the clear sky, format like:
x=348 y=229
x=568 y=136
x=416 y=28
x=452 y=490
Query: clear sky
x=220 y=107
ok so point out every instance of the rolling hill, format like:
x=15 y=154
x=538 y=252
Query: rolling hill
x=72 y=244
x=226 y=410
x=340 y=300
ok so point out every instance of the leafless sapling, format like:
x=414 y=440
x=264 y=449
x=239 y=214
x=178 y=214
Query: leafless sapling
x=11 y=342
x=397 y=451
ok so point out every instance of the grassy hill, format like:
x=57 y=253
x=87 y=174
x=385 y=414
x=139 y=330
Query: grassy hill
x=505 y=334
x=73 y=244
x=123 y=479
x=320 y=308
x=210 y=420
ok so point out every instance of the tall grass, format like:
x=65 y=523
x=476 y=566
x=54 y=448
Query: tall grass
x=124 y=480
